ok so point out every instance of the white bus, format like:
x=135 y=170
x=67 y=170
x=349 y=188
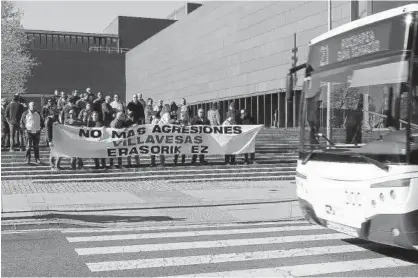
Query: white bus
x=357 y=170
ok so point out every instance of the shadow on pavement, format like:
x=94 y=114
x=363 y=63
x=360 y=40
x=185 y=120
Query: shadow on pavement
x=386 y=250
x=114 y=218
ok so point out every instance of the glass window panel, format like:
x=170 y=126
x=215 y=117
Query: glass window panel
x=91 y=42
x=86 y=43
x=43 y=41
x=67 y=42
x=49 y=42
x=73 y=42
x=55 y=41
x=61 y=42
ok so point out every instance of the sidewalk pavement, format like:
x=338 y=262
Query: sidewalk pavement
x=26 y=204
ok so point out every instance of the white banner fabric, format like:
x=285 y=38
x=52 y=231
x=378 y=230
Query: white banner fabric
x=83 y=142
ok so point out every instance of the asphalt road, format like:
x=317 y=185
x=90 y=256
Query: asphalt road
x=291 y=249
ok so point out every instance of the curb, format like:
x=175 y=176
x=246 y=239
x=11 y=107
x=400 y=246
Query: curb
x=62 y=224
x=56 y=219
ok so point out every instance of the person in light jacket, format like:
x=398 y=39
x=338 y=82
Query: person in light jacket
x=213 y=115
x=229 y=159
x=165 y=120
x=32 y=123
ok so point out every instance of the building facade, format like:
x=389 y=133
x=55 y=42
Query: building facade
x=238 y=51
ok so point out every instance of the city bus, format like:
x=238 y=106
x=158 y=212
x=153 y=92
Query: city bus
x=357 y=170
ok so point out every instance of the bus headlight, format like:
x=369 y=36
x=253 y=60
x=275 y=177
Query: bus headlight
x=393 y=183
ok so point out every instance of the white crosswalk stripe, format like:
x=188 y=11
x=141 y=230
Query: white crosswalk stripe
x=192 y=234
x=310 y=269
x=150 y=249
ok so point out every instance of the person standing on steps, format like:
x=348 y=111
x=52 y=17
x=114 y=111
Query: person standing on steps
x=213 y=115
x=107 y=111
x=229 y=159
x=5 y=129
x=183 y=119
x=32 y=123
x=118 y=122
x=50 y=114
x=95 y=121
x=247 y=120
x=132 y=121
x=165 y=120
x=141 y=100
x=148 y=111
x=200 y=120
x=73 y=121
x=13 y=115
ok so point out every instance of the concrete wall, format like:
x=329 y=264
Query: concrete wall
x=68 y=70
x=227 y=49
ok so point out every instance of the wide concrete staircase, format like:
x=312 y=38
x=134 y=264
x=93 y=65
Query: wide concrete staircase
x=276 y=155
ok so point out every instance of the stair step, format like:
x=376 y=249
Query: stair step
x=169 y=177
x=256 y=178
x=145 y=172
x=36 y=171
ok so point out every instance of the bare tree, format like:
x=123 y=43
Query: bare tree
x=16 y=61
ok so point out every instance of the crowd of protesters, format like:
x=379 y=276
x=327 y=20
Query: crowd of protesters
x=23 y=122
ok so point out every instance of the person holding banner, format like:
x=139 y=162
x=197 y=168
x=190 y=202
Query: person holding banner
x=165 y=120
x=73 y=121
x=85 y=114
x=50 y=115
x=148 y=111
x=131 y=121
x=229 y=159
x=94 y=121
x=118 y=122
x=200 y=120
x=247 y=120
x=183 y=118
x=107 y=111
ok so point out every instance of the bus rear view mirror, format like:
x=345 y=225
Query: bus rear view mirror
x=289 y=86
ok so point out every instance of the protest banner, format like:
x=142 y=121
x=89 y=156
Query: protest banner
x=83 y=142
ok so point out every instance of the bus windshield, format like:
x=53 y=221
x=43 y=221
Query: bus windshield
x=356 y=91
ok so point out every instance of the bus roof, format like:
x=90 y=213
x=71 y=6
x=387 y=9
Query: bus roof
x=365 y=21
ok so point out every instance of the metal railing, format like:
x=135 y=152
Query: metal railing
x=108 y=49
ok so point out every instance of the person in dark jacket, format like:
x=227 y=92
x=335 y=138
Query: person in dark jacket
x=32 y=123
x=95 y=121
x=50 y=114
x=131 y=121
x=13 y=113
x=234 y=113
x=118 y=122
x=85 y=114
x=5 y=129
x=73 y=121
x=136 y=109
x=247 y=120
x=97 y=103
x=67 y=108
x=107 y=111
x=200 y=120
x=141 y=100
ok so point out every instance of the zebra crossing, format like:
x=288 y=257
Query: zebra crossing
x=275 y=249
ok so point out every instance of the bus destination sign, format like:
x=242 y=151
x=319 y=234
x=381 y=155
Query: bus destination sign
x=358 y=45
x=351 y=45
